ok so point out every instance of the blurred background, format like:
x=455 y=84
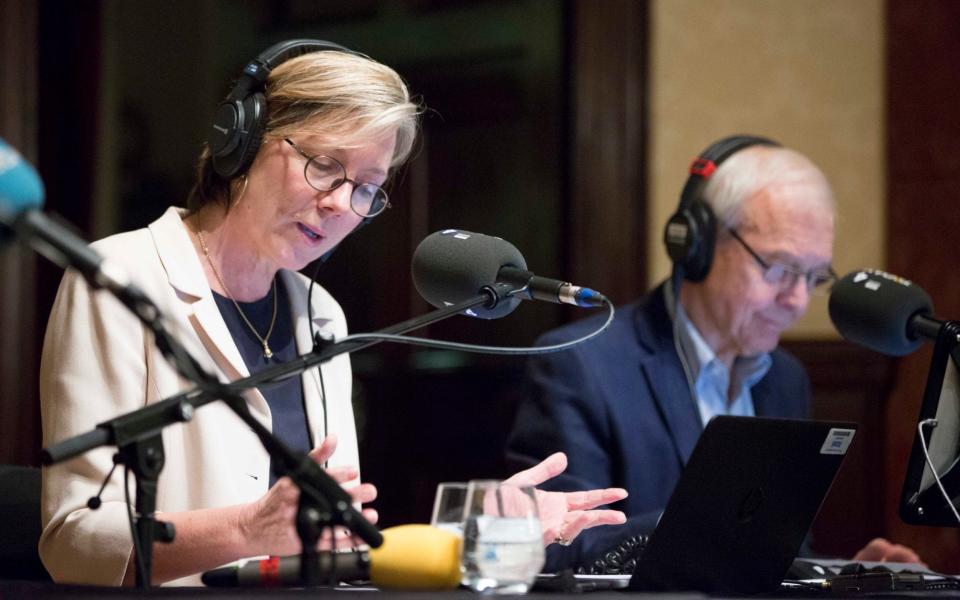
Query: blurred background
x=565 y=127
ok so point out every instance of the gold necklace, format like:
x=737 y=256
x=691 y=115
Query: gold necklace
x=264 y=340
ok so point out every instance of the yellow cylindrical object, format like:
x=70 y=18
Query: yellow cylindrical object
x=416 y=557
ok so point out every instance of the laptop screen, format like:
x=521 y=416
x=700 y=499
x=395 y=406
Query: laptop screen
x=743 y=505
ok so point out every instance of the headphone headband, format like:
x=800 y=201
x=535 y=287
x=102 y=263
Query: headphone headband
x=704 y=165
x=690 y=234
x=256 y=72
x=240 y=120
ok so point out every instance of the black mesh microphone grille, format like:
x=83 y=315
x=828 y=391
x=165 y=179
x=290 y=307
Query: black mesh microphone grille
x=452 y=265
x=873 y=309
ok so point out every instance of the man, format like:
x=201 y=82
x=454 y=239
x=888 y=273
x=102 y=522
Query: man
x=751 y=241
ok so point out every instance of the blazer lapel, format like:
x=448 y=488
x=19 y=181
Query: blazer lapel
x=212 y=329
x=185 y=273
x=666 y=378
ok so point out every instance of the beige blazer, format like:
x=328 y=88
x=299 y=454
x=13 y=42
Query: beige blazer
x=99 y=362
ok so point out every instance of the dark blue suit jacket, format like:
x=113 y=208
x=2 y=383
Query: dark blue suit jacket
x=620 y=407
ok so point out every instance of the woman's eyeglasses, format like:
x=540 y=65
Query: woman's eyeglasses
x=325 y=174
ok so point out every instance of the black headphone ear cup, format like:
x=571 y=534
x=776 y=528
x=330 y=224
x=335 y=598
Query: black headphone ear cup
x=700 y=257
x=224 y=135
x=678 y=236
x=690 y=237
x=256 y=106
x=235 y=157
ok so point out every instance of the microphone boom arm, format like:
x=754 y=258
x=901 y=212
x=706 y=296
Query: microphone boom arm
x=322 y=498
x=149 y=420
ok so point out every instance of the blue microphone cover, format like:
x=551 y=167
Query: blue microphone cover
x=874 y=309
x=20 y=186
x=453 y=265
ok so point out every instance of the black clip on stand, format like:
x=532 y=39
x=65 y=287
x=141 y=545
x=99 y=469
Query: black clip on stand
x=137 y=434
x=145 y=458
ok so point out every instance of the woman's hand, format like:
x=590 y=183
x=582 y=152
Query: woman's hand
x=268 y=525
x=563 y=515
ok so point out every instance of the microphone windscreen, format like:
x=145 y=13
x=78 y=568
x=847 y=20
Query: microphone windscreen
x=416 y=557
x=452 y=266
x=874 y=309
x=20 y=186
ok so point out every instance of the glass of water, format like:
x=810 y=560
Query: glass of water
x=448 y=507
x=502 y=545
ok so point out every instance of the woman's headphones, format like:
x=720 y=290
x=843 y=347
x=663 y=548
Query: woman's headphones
x=691 y=233
x=239 y=121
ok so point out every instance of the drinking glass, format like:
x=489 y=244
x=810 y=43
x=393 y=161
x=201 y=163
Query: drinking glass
x=502 y=544
x=448 y=506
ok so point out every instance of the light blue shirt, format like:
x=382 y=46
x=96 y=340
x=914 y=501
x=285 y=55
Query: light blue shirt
x=713 y=382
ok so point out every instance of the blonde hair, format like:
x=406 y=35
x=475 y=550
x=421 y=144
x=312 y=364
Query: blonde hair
x=346 y=99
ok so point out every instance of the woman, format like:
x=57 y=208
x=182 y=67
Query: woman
x=297 y=160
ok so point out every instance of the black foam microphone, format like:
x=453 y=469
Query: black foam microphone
x=453 y=265
x=882 y=312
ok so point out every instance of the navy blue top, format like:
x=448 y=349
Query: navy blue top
x=285 y=398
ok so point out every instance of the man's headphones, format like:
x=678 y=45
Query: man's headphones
x=691 y=233
x=240 y=120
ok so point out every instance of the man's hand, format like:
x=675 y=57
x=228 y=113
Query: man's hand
x=881 y=550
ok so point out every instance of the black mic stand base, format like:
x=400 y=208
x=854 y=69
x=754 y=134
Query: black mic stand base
x=310 y=525
x=145 y=458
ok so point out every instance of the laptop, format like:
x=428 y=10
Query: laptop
x=743 y=505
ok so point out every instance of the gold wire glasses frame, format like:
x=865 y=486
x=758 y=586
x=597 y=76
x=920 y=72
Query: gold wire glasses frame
x=325 y=174
x=817 y=281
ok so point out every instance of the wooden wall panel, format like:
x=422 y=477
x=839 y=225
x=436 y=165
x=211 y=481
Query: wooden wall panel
x=605 y=235
x=923 y=186
x=18 y=321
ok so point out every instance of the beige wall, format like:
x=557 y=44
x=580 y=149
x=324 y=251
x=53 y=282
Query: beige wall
x=808 y=73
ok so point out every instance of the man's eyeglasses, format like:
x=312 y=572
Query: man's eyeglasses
x=325 y=174
x=818 y=280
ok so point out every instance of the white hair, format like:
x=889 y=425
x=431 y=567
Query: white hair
x=752 y=169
